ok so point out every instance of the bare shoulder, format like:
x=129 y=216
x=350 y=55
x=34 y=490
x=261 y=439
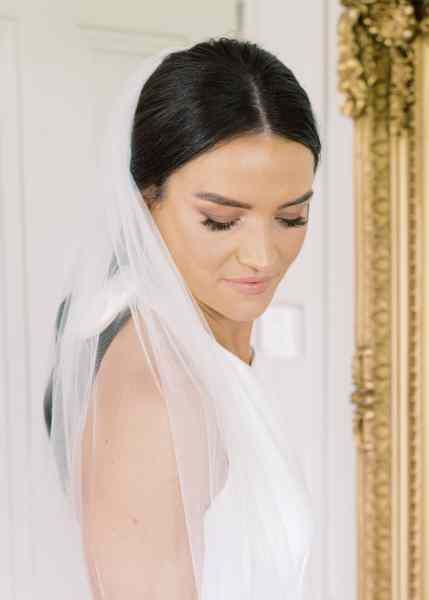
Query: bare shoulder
x=133 y=511
x=126 y=361
x=127 y=409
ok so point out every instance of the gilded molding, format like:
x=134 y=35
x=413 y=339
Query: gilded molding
x=367 y=30
x=383 y=58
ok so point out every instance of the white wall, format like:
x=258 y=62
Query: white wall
x=321 y=284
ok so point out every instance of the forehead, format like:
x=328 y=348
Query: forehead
x=251 y=164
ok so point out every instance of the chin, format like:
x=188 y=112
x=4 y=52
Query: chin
x=236 y=307
x=245 y=311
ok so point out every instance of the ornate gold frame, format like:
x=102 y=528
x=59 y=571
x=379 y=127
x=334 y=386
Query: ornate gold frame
x=383 y=72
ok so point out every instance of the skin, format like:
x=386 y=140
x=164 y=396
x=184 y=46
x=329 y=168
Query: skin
x=265 y=171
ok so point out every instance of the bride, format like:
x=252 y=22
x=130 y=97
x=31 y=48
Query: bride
x=176 y=477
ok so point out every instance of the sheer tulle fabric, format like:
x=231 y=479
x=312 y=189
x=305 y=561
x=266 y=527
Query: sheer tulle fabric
x=244 y=506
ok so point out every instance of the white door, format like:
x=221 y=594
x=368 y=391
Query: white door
x=59 y=63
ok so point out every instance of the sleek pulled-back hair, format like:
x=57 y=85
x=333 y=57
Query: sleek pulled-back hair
x=196 y=99
x=217 y=90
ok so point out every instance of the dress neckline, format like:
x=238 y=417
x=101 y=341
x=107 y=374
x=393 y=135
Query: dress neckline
x=242 y=362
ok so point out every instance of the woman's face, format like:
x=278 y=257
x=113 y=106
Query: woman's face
x=262 y=171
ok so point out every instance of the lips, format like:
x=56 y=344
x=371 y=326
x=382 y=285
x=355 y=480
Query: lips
x=244 y=287
x=248 y=279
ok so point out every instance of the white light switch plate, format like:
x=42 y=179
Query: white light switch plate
x=280 y=331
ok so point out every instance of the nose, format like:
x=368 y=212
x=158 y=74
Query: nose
x=257 y=250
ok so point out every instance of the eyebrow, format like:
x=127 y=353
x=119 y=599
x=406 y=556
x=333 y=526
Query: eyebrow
x=218 y=199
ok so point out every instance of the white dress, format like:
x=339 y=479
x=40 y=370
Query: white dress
x=259 y=529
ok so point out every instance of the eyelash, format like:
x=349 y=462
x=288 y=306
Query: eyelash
x=220 y=226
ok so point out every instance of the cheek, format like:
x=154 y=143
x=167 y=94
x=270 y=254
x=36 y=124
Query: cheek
x=289 y=248
x=295 y=241
x=208 y=259
x=198 y=255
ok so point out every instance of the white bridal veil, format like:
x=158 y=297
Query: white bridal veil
x=244 y=503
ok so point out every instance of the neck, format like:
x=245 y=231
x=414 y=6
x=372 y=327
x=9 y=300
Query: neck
x=232 y=335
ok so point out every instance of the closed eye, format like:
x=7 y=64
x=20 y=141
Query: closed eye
x=222 y=226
